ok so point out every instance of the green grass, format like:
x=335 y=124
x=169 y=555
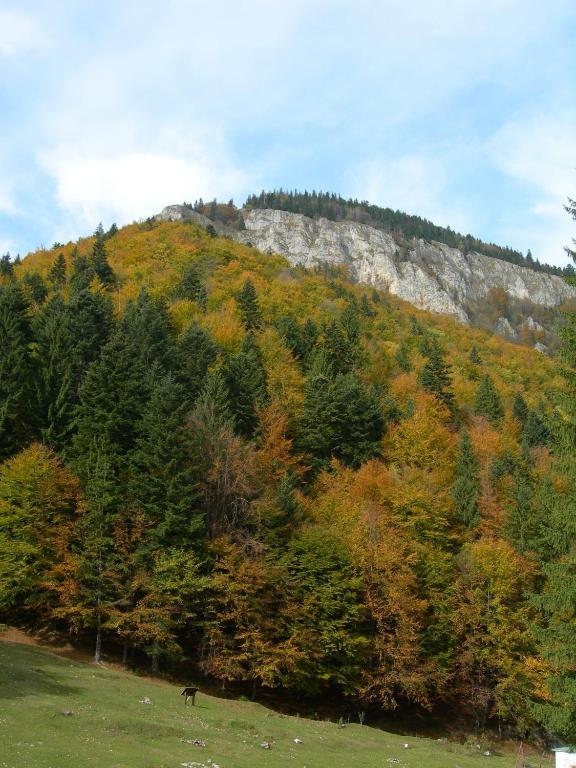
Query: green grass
x=56 y=713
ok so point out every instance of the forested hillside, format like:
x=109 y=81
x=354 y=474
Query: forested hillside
x=286 y=480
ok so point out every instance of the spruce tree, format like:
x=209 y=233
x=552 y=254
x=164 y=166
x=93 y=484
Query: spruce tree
x=18 y=405
x=435 y=376
x=247 y=300
x=402 y=357
x=82 y=272
x=488 y=403
x=58 y=372
x=6 y=267
x=57 y=273
x=246 y=384
x=146 y=325
x=195 y=353
x=520 y=408
x=35 y=287
x=189 y=285
x=474 y=356
x=99 y=260
x=466 y=487
x=93 y=322
x=557 y=600
x=113 y=395
x=162 y=485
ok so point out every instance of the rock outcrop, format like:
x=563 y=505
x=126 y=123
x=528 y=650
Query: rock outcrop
x=430 y=276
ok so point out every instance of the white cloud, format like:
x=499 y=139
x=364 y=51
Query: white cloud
x=126 y=185
x=413 y=183
x=18 y=32
x=540 y=153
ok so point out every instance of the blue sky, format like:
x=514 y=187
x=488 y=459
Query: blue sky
x=463 y=111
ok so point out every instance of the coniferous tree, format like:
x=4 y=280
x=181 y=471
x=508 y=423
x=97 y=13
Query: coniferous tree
x=57 y=273
x=195 y=353
x=557 y=601
x=146 y=325
x=18 y=415
x=474 y=356
x=402 y=357
x=82 y=272
x=435 y=376
x=247 y=300
x=6 y=267
x=536 y=431
x=93 y=322
x=488 y=403
x=246 y=384
x=189 y=285
x=162 y=484
x=35 y=287
x=340 y=344
x=466 y=488
x=113 y=395
x=59 y=372
x=520 y=408
x=99 y=260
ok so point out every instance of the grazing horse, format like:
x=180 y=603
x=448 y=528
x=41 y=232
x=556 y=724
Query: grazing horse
x=189 y=693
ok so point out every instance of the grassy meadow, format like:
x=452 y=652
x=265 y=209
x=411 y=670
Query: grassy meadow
x=60 y=713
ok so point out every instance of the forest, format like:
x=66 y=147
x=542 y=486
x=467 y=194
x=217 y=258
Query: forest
x=286 y=481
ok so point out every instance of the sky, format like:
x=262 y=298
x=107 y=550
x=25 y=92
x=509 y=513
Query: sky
x=461 y=111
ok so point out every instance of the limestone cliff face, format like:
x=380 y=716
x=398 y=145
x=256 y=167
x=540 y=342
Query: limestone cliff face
x=430 y=276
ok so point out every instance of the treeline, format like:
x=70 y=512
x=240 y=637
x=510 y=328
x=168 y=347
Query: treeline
x=336 y=208
x=295 y=508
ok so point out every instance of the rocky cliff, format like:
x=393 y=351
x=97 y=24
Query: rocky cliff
x=514 y=301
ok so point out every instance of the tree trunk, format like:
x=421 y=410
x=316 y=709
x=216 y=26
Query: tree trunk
x=155 y=658
x=125 y=653
x=98 y=647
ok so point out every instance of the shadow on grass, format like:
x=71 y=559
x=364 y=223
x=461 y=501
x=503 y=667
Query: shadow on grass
x=24 y=672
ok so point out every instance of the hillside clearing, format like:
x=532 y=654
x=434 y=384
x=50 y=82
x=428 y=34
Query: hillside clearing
x=59 y=713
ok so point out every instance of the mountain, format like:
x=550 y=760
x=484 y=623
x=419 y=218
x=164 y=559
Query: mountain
x=514 y=301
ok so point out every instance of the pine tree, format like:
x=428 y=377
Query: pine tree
x=249 y=306
x=57 y=273
x=466 y=488
x=488 y=403
x=435 y=376
x=536 y=431
x=17 y=396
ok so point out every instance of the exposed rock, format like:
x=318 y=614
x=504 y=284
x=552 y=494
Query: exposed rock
x=430 y=276
x=533 y=325
x=504 y=328
x=539 y=347
x=183 y=213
